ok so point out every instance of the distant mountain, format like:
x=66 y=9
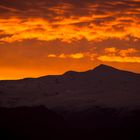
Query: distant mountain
x=103 y=85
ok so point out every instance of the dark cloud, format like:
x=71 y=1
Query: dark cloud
x=52 y=8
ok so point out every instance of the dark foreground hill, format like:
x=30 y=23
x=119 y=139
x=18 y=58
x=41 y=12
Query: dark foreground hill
x=30 y=123
x=39 y=123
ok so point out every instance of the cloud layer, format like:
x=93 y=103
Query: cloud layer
x=68 y=20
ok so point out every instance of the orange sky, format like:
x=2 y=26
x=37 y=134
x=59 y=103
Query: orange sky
x=50 y=36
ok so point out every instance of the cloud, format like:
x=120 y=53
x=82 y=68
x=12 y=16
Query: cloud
x=127 y=52
x=52 y=55
x=8 y=8
x=74 y=55
x=77 y=56
x=113 y=54
x=110 y=50
x=67 y=21
x=42 y=29
x=122 y=52
x=106 y=58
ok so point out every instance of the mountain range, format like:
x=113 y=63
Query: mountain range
x=102 y=86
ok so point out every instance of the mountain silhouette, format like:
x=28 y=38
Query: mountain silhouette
x=104 y=85
x=100 y=103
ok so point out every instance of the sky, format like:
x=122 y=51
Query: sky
x=48 y=37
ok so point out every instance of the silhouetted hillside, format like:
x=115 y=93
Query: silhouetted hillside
x=30 y=123
x=102 y=86
x=33 y=123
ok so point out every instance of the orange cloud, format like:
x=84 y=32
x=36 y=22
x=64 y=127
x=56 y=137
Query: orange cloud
x=62 y=56
x=74 y=55
x=61 y=8
x=110 y=50
x=77 y=55
x=66 y=29
x=122 y=52
x=67 y=21
x=52 y=55
x=127 y=51
x=106 y=58
x=117 y=55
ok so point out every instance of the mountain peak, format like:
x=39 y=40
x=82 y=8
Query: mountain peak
x=70 y=72
x=103 y=67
